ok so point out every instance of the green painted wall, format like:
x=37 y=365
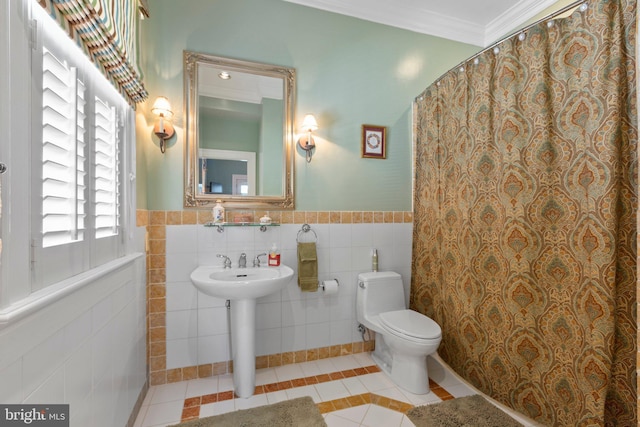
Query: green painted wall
x=349 y=72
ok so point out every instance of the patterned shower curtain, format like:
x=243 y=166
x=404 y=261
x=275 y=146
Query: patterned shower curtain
x=525 y=218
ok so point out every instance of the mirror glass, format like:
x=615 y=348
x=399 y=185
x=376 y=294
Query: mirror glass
x=239 y=133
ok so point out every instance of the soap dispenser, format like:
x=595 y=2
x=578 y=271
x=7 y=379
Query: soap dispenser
x=274 y=256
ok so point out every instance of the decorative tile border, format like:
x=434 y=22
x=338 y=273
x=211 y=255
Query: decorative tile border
x=189 y=217
x=383 y=401
x=156 y=222
x=269 y=361
x=191 y=408
x=363 y=399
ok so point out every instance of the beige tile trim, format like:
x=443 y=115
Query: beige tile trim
x=283 y=217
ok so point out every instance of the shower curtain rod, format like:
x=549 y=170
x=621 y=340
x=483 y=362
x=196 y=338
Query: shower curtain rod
x=573 y=5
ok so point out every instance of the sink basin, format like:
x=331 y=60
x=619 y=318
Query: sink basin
x=241 y=283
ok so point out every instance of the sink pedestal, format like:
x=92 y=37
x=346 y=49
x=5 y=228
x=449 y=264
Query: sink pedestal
x=243 y=346
x=242 y=286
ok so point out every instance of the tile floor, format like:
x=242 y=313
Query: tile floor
x=350 y=391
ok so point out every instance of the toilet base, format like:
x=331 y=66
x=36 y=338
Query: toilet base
x=407 y=372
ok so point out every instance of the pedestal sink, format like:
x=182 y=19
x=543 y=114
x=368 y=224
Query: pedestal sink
x=242 y=286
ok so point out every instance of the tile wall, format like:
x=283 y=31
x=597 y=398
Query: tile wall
x=189 y=331
x=86 y=349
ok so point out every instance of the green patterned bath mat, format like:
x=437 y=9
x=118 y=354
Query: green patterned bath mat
x=300 y=412
x=468 y=411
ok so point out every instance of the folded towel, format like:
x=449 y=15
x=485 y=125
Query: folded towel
x=307 y=267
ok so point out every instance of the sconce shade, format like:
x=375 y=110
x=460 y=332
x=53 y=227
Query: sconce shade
x=309 y=123
x=162 y=107
x=306 y=142
x=163 y=127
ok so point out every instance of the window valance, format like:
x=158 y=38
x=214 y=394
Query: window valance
x=106 y=30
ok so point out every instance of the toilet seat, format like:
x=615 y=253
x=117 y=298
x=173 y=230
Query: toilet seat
x=410 y=324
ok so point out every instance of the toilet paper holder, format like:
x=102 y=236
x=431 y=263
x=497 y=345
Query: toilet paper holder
x=321 y=284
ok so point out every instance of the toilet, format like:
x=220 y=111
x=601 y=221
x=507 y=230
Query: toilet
x=404 y=337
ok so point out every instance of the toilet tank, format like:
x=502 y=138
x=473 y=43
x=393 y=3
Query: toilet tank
x=378 y=292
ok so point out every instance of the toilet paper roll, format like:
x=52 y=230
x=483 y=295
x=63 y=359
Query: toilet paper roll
x=330 y=287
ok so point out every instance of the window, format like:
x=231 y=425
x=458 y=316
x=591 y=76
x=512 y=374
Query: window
x=77 y=148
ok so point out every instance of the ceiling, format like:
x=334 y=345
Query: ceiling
x=477 y=22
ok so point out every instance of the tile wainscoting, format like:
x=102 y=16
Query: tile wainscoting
x=188 y=331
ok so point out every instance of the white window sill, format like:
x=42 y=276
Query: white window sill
x=53 y=293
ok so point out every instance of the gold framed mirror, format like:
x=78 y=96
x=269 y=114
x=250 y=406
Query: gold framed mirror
x=239 y=133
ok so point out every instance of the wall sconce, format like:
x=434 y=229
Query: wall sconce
x=163 y=127
x=309 y=124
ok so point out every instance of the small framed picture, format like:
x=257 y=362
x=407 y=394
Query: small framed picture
x=374 y=142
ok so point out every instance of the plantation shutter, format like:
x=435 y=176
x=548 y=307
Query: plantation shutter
x=63 y=153
x=77 y=158
x=106 y=197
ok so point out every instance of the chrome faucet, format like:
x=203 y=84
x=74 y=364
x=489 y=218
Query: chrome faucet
x=242 y=262
x=256 y=261
x=227 y=261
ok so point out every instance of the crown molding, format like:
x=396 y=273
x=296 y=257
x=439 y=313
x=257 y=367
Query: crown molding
x=514 y=18
x=422 y=20
x=413 y=19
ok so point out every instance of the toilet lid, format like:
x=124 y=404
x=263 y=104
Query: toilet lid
x=411 y=323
